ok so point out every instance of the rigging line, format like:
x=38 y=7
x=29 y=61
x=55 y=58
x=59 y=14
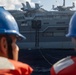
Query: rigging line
x=45 y=57
x=53 y=57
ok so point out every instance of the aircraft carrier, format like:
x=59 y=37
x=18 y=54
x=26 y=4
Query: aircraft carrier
x=45 y=32
x=42 y=28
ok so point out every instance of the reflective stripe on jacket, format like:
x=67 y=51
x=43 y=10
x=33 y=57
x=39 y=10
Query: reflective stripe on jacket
x=11 y=67
x=66 y=66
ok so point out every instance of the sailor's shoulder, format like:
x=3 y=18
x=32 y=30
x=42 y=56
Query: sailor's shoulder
x=63 y=63
x=6 y=64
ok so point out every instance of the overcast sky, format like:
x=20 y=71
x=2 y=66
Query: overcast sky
x=12 y=4
x=47 y=4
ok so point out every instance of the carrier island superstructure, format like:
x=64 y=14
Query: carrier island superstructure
x=42 y=28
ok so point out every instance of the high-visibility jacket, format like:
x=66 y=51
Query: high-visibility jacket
x=11 y=67
x=66 y=66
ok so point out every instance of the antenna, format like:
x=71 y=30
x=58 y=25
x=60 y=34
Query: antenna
x=63 y=2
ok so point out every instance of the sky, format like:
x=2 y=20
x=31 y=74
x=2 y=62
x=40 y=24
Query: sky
x=47 y=4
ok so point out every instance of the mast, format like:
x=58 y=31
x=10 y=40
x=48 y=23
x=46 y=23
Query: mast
x=63 y=2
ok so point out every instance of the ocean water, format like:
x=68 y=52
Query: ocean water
x=41 y=60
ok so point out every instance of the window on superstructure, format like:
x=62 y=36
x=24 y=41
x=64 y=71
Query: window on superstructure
x=61 y=28
x=60 y=22
x=51 y=16
x=48 y=34
x=59 y=34
x=23 y=24
x=46 y=23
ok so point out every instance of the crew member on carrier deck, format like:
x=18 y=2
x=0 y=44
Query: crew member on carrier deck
x=9 y=33
x=67 y=66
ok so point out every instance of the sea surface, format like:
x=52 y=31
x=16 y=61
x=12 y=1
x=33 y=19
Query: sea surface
x=41 y=60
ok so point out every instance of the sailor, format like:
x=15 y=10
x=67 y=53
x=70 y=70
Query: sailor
x=9 y=33
x=67 y=65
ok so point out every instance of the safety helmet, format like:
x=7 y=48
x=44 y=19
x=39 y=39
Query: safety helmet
x=72 y=26
x=8 y=24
